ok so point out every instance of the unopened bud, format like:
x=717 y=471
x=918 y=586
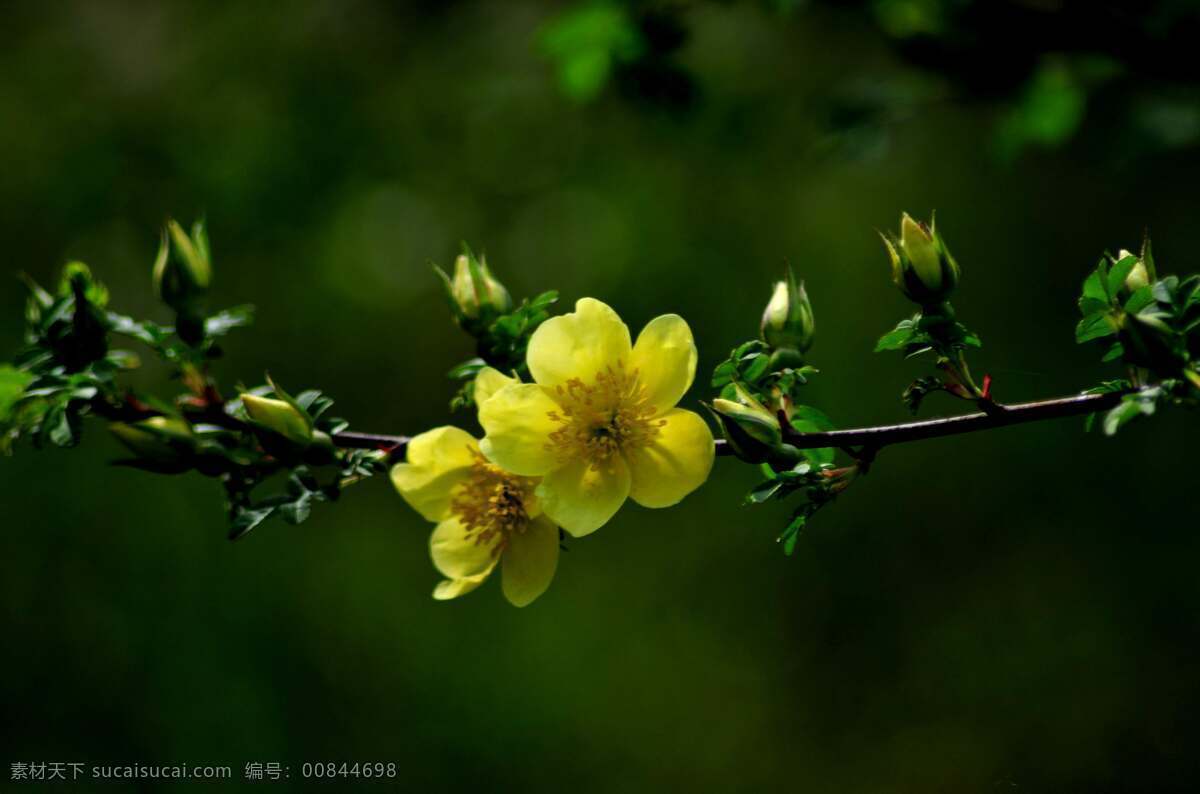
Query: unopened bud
x=182 y=269
x=279 y=417
x=758 y=425
x=922 y=267
x=1138 y=277
x=160 y=439
x=787 y=322
x=475 y=294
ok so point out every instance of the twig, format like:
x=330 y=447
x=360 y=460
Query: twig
x=868 y=438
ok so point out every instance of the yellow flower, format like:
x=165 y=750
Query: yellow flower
x=485 y=517
x=599 y=423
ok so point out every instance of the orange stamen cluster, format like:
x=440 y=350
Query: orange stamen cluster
x=603 y=419
x=491 y=504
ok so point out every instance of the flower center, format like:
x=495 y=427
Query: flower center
x=602 y=419
x=491 y=504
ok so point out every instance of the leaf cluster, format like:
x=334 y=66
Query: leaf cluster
x=501 y=344
x=924 y=333
x=1153 y=328
x=67 y=372
x=817 y=483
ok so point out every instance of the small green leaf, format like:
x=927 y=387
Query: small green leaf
x=245 y=519
x=1092 y=327
x=1139 y=300
x=1131 y=407
x=1120 y=271
x=225 y=321
x=763 y=491
x=12 y=384
x=896 y=339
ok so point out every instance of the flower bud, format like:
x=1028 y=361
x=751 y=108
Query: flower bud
x=160 y=439
x=280 y=417
x=787 y=321
x=759 y=425
x=1138 y=277
x=475 y=294
x=922 y=267
x=182 y=270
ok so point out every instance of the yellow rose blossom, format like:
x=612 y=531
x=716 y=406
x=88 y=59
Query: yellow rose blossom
x=599 y=423
x=485 y=517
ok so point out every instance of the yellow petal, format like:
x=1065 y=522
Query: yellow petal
x=455 y=555
x=438 y=460
x=578 y=345
x=453 y=588
x=518 y=426
x=529 y=562
x=676 y=463
x=488 y=381
x=582 y=499
x=665 y=358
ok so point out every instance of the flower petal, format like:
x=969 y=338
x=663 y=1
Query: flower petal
x=529 y=562
x=453 y=588
x=582 y=499
x=676 y=463
x=518 y=426
x=437 y=461
x=578 y=345
x=457 y=556
x=488 y=381
x=665 y=358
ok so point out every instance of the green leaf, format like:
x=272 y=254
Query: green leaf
x=896 y=339
x=12 y=384
x=763 y=491
x=245 y=519
x=225 y=321
x=1139 y=300
x=1120 y=271
x=467 y=369
x=1131 y=407
x=296 y=512
x=791 y=533
x=1095 y=288
x=806 y=419
x=586 y=42
x=1095 y=326
x=1048 y=112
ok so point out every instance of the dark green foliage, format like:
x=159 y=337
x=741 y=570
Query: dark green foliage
x=1151 y=325
x=501 y=344
x=67 y=372
x=768 y=380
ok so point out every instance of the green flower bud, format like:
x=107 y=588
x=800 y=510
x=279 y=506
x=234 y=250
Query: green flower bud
x=787 y=321
x=922 y=267
x=160 y=439
x=182 y=270
x=1138 y=277
x=759 y=425
x=475 y=295
x=280 y=417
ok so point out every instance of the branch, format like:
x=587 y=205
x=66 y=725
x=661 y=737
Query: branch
x=393 y=445
x=1018 y=414
x=873 y=438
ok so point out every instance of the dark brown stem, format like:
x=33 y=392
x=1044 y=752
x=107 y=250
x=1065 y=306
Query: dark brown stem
x=1020 y=413
x=869 y=439
x=393 y=445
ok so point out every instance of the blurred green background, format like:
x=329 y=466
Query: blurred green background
x=1005 y=611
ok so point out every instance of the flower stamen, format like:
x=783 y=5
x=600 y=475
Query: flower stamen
x=600 y=420
x=491 y=504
